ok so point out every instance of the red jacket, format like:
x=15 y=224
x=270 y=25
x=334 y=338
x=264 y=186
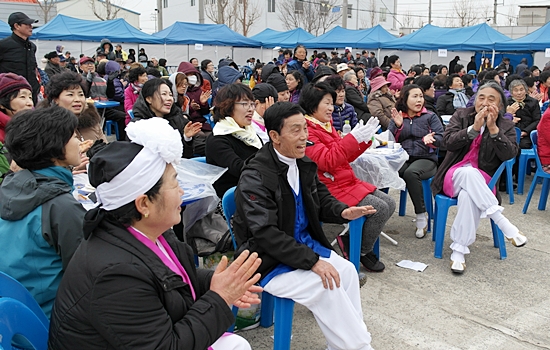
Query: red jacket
x=544 y=138
x=333 y=155
x=4 y=119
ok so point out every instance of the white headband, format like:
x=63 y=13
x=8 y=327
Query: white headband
x=161 y=145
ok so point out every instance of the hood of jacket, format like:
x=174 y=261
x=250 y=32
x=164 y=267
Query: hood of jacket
x=267 y=70
x=141 y=110
x=106 y=41
x=111 y=66
x=24 y=191
x=228 y=62
x=172 y=79
x=188 y=68
x=228 y=75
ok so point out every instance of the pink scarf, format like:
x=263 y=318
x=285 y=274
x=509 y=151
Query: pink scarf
x=472 y=158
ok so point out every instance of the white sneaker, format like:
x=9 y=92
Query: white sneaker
x=519 y=240
x=457 y=267
x=421 y=232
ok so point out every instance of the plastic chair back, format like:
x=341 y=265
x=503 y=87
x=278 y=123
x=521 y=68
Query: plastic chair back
x=11 y=288
x=518 y=135
x=229 y=207
x=131 y=114
x=15 y=319
x=199 y=159
x=535 y=141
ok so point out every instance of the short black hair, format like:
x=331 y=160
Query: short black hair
x=408 y=81
x=36 y=137
x=425 y=82
x=204 y=64
x=434 y=68
x=135 y=73
x=534 y=68
x=458 y=68
x=401 y=103
x=224 y=102
x=416 y=69
x=392 y=59
x=510 y=78
x=335 y=81
x=441 y=68
x=153 y=71
x=162 y=62
x=490 y=75
x=298 y=47
x=530 y=81
x=299 y=78
x=467 y=79
x=450 y=79
x=544 y=76
x=61 y=82
x=481 y=75
x=5 y=102
x=313 y=94
x=274 y=116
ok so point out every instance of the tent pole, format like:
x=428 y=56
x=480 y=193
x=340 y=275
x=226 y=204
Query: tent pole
x=217 y=59
x=188 y=56
x=378 y=53
x=419 y=57
x=493 y=60
x=430 y=57
x=164 y=49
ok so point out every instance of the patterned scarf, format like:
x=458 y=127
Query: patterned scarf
x=460 y=99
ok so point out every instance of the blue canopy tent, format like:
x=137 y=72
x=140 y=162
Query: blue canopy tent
x=538 y=40
x=5 y=29
x=339 y=37
x=69 y=28
x=184 y=33
x=422 y=39
x=273 y=38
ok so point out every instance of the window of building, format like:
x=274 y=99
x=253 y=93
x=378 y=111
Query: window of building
x=193 y=2
x=165 y=3
x=324 y=7
x=299 y=6
x=270 y=5
x=350 y=8
x=383 y=12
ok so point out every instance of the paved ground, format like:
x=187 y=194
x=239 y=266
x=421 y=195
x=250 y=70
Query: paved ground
x=496 y=304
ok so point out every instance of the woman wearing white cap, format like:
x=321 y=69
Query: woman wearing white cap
x=131 y=283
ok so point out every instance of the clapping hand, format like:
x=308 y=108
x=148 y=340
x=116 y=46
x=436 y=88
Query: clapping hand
x=191 y=129
x=429 y=138
x=492 y=116
x=513 y=108
x=364 y=132
x=205 y=95
x=397 y=117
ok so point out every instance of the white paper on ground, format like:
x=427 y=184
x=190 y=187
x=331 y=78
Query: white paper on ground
x=417 y=266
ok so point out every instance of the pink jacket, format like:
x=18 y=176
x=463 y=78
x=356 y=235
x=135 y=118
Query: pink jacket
x=544 y=138
x=396 y=78
x=130 y=97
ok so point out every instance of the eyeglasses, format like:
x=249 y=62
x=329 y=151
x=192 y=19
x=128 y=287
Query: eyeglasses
x=247 y=105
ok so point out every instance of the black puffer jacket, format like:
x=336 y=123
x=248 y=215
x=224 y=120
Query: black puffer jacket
x=117 y=294
x=529 y=114
x=175 y=118
x=18 y=56
x=264 y=221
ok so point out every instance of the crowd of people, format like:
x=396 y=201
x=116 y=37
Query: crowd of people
x=117 y=275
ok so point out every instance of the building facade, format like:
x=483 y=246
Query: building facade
x=281 y=15
x=83 y=9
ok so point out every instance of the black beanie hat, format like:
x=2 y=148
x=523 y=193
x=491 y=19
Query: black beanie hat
x=278 y=82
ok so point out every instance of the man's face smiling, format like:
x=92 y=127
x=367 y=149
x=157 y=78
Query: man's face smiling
x=291 y=142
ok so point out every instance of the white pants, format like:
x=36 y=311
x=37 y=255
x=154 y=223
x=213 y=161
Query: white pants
x=231 y=342
x=475 y=201
x=338 y=311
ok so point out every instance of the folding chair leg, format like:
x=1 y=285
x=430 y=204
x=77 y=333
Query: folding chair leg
x=544 y=194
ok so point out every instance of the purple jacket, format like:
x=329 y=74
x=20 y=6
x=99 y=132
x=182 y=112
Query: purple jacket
x=112 y=67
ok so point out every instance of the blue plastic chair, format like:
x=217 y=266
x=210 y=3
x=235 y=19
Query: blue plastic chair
x=18 y=319
x=355 y=238
x=11 y=288
x=199 y=159
x=131 y=114
x=280 y=308
x=109 y=124
x=427 y=192
x=539 y=174
x=523 y=166
x=442 y=205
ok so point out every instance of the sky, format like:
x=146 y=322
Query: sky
x=440 y=9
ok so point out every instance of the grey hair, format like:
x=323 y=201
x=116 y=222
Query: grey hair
x=348 y=75
x=494 y=85
x=518 y=82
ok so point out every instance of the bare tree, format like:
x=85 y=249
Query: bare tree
x=466 y=13
x=407 y=20
x=315 y=16
x=246 y=14
x=370 y=21
x=45 y=7
x=221 y=12
x=512 y=17
x=104 y=10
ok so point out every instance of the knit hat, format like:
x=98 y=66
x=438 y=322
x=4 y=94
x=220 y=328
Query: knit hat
x=51 y=55
x=278 y=82
x=85 y=59
x=322 y=71
x=378 y=82
x=10 y=82
x=375 y=72
x=263 y=91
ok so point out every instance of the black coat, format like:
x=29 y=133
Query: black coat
x=228 y=152
x=445 y=105
x=175 y=118
x=264 y=221
x=492 y=153
x=18 y=56
x=117 y=294
x=530 y=117
x=354 y=98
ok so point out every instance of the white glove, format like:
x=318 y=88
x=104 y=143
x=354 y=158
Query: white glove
x=364 y=132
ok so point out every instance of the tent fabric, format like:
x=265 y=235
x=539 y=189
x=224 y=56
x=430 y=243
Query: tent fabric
x=184 y=33
x=63 y=27
x=5 y=29
x=340 y=37
x=538 y=40
x=476 y=38
x=272 y=38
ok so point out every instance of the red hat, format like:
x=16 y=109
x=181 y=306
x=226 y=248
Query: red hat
x=10 y=82
x=85 y=59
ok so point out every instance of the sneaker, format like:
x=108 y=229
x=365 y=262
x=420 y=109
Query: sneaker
x=519 y=240
x=421 y=232
x=457 y=267
x=371 y=263
x=343 y=243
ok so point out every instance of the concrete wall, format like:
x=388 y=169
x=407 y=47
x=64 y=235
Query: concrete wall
x=31 y=10
x=83 y=9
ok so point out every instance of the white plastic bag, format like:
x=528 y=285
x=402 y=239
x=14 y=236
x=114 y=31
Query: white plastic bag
x=380 y=167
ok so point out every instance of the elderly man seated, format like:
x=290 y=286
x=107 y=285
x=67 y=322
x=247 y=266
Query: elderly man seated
x=478 y=140
x=280 y=206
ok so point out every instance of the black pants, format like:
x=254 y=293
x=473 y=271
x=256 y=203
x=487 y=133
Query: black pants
x=413 y=172
x=119 y=117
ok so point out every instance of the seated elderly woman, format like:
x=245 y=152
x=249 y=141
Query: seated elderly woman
x=40 y=221
x=67 y=90
x=132 y=283
x=455 y=97
x=233 y=138
x=381 y=101
x=478 y=140
x=15 y=96
x=527 y=111
x=420 y=133
x=156 y=100
x=333 y=154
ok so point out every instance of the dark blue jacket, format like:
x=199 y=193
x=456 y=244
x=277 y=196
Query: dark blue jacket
x=306 y=73
x=343 y=113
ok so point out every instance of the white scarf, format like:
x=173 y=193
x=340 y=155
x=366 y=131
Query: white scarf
x=228 y=126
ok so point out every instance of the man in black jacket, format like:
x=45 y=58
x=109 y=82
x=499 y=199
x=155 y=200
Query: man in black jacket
x=17 y=53
x=280 y=206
